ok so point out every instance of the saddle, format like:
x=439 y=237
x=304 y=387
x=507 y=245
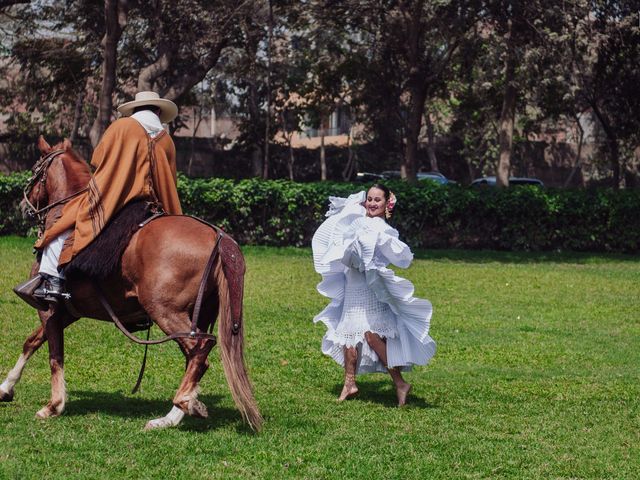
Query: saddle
x=102 y=256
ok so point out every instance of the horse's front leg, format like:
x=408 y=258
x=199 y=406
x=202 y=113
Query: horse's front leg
x=54 y=330
x=31 y=345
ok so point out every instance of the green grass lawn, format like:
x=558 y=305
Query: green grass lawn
x=537 y=375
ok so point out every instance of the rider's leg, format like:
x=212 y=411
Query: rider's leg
x=53 y=285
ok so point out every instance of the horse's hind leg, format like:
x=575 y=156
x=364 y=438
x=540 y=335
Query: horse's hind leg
x=31 y=345
x=186 y=398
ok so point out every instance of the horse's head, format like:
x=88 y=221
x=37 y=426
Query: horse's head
x=58 y=174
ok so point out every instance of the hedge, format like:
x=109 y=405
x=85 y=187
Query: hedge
x=11 y=219
x=284 y=213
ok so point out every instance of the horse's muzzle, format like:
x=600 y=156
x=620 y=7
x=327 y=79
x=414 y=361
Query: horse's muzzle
x=25 y=210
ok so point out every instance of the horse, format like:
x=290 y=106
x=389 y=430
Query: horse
x=159 y=276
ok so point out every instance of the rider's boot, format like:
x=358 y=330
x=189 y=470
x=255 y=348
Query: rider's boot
x=51 y=290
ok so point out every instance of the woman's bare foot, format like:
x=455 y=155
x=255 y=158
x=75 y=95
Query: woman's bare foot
x=348 y=391
x=402 y=391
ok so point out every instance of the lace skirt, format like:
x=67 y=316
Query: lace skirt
x=362 y=312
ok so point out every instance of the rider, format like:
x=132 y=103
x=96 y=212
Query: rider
x=135 y=159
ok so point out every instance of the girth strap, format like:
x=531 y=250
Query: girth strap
x=133 y=338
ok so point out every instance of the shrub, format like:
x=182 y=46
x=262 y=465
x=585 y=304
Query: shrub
x=11 y=219
x=279 y=212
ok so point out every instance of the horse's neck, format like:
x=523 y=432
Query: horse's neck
x=77 y=174
x=70 y=177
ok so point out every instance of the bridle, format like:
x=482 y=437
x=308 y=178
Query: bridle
x=39 y=177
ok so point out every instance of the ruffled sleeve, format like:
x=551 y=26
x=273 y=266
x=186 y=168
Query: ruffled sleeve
x=371 y=243
x=328 y=241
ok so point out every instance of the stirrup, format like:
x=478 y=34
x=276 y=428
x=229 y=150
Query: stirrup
x=51 y=290
x=25 y=292
x=54 y=294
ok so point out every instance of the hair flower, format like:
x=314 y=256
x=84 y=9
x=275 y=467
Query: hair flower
x=391 y=203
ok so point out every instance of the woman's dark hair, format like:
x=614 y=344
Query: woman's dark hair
x=379 y=186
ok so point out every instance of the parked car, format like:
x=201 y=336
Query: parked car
x=368 y=177
x=435 y=177
x=422 y=176
x=391 y=175
x=491 y=181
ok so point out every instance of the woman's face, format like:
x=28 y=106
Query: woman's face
x=375 y=203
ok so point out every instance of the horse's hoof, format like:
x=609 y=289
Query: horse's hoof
x=197 y=409
x=48 y=411
x=158 y=423
x=6 y=396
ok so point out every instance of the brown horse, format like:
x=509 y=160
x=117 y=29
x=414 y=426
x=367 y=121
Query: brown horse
x=159 y=278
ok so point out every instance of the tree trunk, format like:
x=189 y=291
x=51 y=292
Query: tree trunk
x=292 y=160
x=256 y=161
x=288 y=136
x=115 y=15
x=351 y=165
x=578 y=163
x=253 y=104
x=431 y=150
x=414 y=124
x=77 y=116
x=197 y=115
x=323 y=160
x=612 y=145
x=149 y=74
x=507 y=116
x=256 y=151
x=267 y=128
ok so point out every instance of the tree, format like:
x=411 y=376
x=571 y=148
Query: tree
x=404 y=53
x=518 y=33
x=149 y=44
x=115 y=19
x=47 y=66
x=605 y=73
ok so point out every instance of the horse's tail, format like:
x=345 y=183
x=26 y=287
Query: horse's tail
x=229 y=275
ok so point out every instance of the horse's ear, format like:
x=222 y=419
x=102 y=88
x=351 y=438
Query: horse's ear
x=43 y=145
x=66 y=144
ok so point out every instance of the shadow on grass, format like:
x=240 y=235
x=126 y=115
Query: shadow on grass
x=118 y=404
x=493 y=256
x=382 y=392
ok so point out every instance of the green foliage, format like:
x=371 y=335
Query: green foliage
x=262 y=212
x=284 y=213
x=11 y=220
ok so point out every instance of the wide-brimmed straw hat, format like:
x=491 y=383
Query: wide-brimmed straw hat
x=168 y=109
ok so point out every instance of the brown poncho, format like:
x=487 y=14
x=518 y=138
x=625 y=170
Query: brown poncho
x=129 y=165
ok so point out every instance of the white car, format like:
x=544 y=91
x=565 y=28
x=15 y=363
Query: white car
x=491 y=181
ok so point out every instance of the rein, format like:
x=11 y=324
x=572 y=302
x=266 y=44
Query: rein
x=40 y=170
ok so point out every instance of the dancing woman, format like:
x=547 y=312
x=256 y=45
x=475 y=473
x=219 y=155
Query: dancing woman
x=374 y=323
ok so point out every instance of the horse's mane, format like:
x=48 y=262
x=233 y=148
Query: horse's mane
x=77 y=170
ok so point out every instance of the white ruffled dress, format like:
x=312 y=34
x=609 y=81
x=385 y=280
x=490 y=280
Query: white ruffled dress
x=351 y=251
